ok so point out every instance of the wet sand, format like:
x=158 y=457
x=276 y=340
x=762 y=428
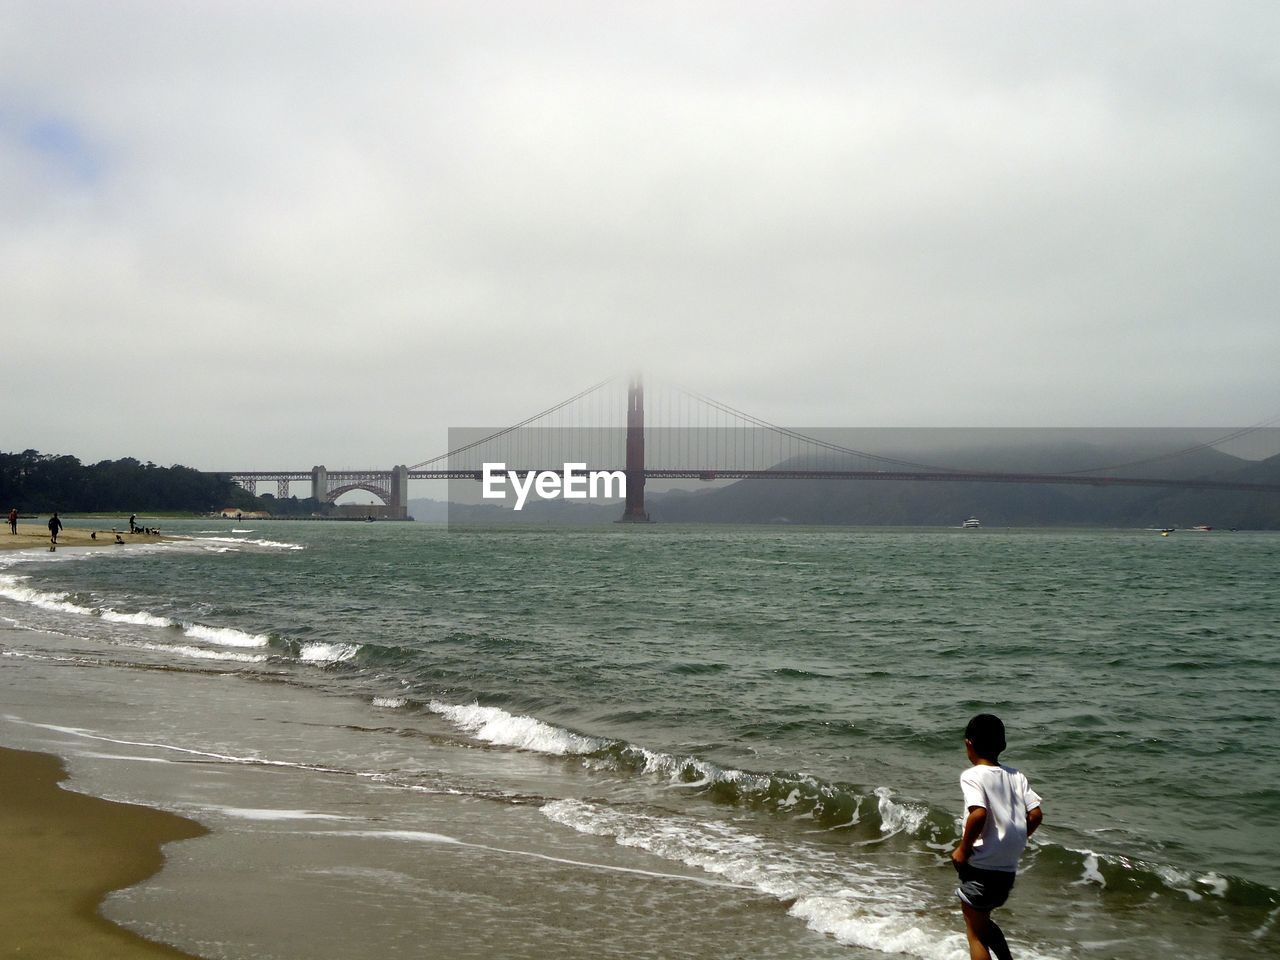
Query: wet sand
x=37 y=535
x=63 y=852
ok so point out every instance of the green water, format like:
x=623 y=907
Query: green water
x=805 y=688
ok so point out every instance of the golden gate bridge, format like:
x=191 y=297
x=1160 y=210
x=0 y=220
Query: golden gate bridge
x=679 y=434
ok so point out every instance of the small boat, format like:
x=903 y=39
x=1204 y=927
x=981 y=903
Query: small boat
x=971 y=524
x=1202 y=527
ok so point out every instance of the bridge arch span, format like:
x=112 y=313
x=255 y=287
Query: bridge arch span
x=391 y=487
x=381 y=493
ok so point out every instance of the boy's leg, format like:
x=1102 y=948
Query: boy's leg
x=986 y=939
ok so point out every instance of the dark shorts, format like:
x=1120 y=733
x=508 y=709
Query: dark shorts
x=984 y=889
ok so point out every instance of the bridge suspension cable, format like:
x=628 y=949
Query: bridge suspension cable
x=433 y=461
x=1185 y=451
x=807 y=439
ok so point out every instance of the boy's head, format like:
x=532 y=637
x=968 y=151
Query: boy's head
x=985 y=734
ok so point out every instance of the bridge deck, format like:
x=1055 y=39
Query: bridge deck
x=953 y=477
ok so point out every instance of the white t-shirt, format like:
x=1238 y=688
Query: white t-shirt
x=1007 y=797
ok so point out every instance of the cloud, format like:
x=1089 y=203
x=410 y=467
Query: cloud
x=346 y=230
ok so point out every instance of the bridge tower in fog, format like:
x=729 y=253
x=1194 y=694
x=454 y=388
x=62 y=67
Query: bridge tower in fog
x=635 y=512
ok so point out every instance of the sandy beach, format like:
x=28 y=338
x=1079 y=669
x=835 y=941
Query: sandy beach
x=63 y=852
x=37 y=535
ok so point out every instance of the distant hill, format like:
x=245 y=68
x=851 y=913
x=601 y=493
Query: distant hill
x=934 y=503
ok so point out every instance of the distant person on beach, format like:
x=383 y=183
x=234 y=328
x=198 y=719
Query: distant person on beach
x=133 y=523
x=54 y=526
x=1001 y=811
x=13 y=520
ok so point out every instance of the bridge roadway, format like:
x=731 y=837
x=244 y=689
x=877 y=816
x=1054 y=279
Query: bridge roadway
x=377 y=481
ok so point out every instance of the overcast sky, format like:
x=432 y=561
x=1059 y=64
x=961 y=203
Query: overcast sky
x=272 y=234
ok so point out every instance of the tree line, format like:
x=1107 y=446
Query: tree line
x=35 y=482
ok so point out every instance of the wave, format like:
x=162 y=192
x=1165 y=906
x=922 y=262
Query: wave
x=496 y=726
x=140 y=618
x=1146 y=878
x=316 y=652
x=275 y=544
x=799 y=796
x=271 y=544
x=202 y=653
x=225 y=636
x=12 y=589
x=866 y=816
x=859 y=903
x=872 y=902
x=60 y=603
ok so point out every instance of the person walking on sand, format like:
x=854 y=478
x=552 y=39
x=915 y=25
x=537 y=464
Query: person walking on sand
x=1001 y=811
x=54 y=526
x=13 y=520
x=133 y=523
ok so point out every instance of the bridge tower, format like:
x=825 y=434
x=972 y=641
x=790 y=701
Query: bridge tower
x=635 y=512
x=319 y=484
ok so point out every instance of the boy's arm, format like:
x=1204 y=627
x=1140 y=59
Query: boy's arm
x=1034 y=817
x=973 y=824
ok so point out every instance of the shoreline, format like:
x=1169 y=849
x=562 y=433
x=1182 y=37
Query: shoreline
x=35 y=536
x=64 y=852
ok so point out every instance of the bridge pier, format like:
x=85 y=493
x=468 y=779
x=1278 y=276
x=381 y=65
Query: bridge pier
x=319 y=484
x=400 y=491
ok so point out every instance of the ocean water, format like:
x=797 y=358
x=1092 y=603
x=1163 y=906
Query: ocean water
x=664 y=741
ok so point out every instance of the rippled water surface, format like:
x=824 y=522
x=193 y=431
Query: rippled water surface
x=781 y=708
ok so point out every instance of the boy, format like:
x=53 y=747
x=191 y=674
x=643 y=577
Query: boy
x=1001 y=811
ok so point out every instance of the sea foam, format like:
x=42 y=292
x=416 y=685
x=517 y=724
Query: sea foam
x=224 y=636
x=202 y=653
x=12 y=589
x=270 y=544
x=493 y=725
x=140 y=618
x=259 y=813
x=316 y=652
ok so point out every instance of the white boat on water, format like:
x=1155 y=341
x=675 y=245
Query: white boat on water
x=971 y=524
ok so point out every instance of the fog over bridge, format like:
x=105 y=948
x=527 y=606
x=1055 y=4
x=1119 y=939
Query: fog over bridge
x=680 y=435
